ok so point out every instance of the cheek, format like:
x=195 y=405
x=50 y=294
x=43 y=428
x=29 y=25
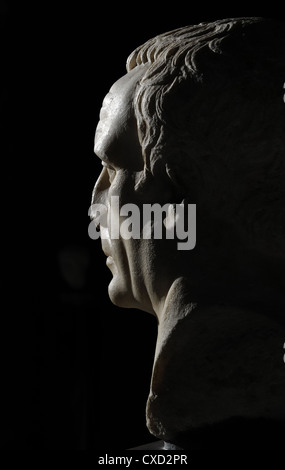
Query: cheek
x=122 y=186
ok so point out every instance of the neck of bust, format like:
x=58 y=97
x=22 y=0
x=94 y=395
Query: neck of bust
x=213 y=363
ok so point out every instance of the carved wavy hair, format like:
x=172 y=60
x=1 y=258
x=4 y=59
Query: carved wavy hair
x=211 y=117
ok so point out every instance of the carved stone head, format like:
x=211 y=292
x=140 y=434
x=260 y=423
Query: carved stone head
x=199 y=119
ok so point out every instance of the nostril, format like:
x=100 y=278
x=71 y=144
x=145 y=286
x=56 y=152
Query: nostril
x=101 y=185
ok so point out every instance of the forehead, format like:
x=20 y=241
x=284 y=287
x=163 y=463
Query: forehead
x=122 y=92
x=117 y=120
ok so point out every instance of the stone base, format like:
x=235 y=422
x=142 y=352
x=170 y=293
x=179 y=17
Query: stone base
x=157 y=445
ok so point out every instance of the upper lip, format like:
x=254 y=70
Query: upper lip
x=106 y=250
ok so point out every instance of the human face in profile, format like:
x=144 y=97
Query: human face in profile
x=118 y=147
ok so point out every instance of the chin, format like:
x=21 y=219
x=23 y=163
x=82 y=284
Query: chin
x=120 y=295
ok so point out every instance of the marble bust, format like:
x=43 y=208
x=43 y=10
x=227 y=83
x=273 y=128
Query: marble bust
x=199 y=117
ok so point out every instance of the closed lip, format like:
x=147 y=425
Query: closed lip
x=109 y=261
x=106 y=251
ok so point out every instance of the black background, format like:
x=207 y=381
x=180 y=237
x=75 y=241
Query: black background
x=75 y=370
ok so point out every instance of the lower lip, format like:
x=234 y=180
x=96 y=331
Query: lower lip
x=109 y=260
